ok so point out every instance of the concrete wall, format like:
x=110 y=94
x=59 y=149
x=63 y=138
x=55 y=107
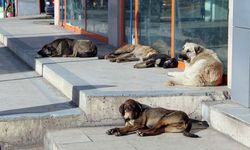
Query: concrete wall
x=230 y=45
x=241 y=52
x=28 y=7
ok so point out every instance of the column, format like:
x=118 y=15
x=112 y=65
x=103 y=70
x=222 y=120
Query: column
x=114 y=22
x=241 y=52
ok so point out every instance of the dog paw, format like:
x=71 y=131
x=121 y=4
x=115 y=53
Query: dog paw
x=111 y=131
x=171 y=74
x=139 y=133
x=169 y=83
x=112 y=60
x=118 y=133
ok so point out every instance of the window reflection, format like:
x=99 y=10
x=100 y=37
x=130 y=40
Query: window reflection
x=154 y=24
x=75 y=13
x=205 y=22
x=129 y=20
x=97 y=16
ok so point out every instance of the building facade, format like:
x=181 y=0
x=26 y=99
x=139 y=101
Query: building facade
x=166 y=25
x=21 y=7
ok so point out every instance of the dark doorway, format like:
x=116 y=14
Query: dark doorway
x=42 y=6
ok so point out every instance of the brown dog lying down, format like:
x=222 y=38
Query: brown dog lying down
x=158 y=60
x=147 y=121
x=69 y=48
x=131 y=53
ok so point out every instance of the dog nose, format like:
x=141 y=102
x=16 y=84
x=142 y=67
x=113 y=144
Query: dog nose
x=183 y=57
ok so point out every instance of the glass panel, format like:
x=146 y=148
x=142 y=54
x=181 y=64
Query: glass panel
x=97 y=16
x=154 y=24
x=1 y=9
x=129 y=20
x=75 y=13
x=205 y=22
x=61 y=10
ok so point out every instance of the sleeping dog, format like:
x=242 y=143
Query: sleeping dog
x=69 y=48
x=147 y=121
x=130 y=52
x=158 y=60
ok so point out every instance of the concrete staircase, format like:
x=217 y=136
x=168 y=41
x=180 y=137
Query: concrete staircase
x=229 y=118
x=98 y=87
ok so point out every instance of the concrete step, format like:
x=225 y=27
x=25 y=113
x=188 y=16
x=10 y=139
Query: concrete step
x=29 y=105
x=99 y=86
x=31 y=36
x=6 y=146
x=229 y=118
x=95 y=139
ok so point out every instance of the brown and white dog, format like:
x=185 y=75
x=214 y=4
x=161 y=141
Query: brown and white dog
x=202 y=67
x=147 y=121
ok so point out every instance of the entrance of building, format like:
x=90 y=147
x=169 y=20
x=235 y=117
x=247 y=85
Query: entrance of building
x=42 y=6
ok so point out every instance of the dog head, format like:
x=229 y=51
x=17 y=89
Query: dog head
x=171 y=63
x=130 y=109
x=47 y=51
x=190 y=50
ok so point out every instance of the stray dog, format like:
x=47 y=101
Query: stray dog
x=158 y=60
x=69 y=48
x=131 y=53
x=147 y=121
x=202 y=67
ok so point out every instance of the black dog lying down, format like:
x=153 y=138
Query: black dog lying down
x=158 y=60
x=69 y=48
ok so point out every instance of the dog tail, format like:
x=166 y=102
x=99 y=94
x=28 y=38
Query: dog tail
x=187 y=133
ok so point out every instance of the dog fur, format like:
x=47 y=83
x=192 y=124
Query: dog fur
x=131 y=53
x=202 y=67
x=158 y=60
x=69 y=48
x=147 y=121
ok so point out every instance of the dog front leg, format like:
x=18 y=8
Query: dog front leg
x=123 y=130
x=145 y=64
x=151 y=132
x=124 y=57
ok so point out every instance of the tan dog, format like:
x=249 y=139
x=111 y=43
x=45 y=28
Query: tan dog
x=147 y=121
x=202 y=67
x=131 y=53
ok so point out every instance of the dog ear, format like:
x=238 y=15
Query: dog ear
x=198 y=49
x=121 y=109
x=139 y=106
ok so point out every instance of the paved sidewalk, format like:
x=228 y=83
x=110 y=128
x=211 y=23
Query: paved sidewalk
x=96 y=139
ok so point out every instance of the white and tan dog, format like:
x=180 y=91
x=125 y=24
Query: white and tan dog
x=203 y=68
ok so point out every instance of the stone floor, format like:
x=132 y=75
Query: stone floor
x=95 y=139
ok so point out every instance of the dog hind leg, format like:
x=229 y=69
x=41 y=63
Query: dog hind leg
x=145 y=64
x=151 y=132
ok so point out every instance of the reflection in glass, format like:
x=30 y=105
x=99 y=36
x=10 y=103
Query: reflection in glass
x=97 y=16
x=129 y=20
x=75 y=13
x=154 y=24
x=205 y=22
